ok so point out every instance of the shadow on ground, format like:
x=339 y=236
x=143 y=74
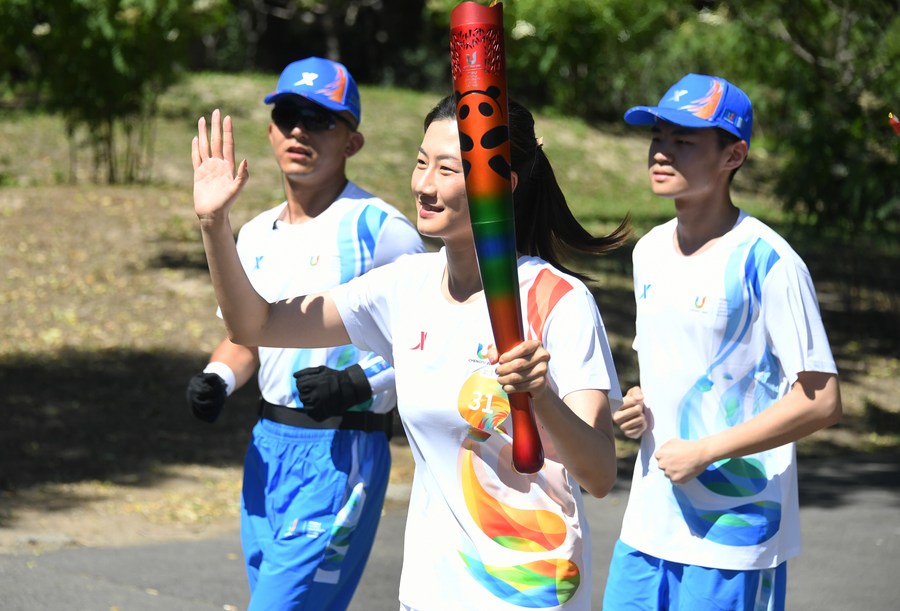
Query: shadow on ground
x=110 y=416
x=828 y=482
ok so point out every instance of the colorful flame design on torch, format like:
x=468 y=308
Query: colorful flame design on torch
x=478 y=63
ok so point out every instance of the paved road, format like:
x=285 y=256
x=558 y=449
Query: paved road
x=850 y=515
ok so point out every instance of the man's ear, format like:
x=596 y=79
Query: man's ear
x=354 y=144
x=737 y=156
x=513 y=179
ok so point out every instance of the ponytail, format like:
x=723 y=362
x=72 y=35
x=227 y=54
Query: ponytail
x=545 y=226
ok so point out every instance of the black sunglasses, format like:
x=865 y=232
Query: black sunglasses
x=287 y=116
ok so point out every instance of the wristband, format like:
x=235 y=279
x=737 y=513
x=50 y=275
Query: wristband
x=223 y=371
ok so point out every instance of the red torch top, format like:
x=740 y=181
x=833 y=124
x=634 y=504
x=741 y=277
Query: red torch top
x=477 y=57
x=468 y=13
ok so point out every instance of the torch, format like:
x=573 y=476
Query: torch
x=895 y=123
x=478 y=63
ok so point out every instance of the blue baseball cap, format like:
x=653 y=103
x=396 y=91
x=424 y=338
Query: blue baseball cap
x=322 y=81
x=698 y=100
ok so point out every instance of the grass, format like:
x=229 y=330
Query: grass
x=106 y=308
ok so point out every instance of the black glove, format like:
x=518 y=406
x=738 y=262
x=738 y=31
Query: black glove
x=206 y=393
x=330 y=392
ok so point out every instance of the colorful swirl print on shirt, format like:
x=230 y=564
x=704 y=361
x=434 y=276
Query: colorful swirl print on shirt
x=535 y=524
x=751 y=522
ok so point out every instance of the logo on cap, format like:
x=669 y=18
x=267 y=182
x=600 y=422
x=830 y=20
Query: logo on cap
x=676 y=95
x=309 y=78
x=706 y=106
x=336 y=89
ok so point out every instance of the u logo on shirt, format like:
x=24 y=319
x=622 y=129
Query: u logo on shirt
x=482 y=350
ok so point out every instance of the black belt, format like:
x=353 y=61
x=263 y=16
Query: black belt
x=357 y=421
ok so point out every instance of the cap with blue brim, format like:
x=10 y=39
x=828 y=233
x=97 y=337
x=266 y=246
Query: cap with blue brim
x=700 y=101
x=321 y=81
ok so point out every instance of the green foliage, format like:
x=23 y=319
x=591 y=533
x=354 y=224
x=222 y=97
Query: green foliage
x=102 y=64
x=822 y=75
x=582 y=57
x=828 y=72
x=384 y=42
x=15 y=66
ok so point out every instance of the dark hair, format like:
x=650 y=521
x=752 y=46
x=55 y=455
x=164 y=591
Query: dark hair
x=545 y=226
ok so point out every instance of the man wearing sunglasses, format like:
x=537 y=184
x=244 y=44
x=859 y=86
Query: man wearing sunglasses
x=318 y=464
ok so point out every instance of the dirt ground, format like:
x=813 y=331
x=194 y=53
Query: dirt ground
x=107 y=517
x=191 y=502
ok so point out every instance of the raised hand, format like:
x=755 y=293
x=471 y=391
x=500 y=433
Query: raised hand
x=216 y=184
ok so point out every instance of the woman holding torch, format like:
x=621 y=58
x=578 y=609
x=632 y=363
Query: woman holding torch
x=479 y=534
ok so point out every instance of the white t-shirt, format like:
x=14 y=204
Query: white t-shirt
x=480 y=536
x=353 y=235
x=720 y=337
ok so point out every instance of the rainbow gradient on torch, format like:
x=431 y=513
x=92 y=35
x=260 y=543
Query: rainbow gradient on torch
x=493 y=242
x=478 y=64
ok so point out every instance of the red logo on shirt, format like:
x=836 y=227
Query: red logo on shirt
x=421 y=344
